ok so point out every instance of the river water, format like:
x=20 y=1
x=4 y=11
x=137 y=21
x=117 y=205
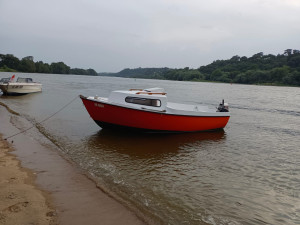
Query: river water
x=249 y=173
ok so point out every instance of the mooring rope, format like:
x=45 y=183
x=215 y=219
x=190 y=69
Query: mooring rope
x=43 y=119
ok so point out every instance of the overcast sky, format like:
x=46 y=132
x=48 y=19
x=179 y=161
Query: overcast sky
x=110 y=35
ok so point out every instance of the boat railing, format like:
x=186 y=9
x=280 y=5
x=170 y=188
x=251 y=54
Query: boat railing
x=151 y=93
x=135 y=89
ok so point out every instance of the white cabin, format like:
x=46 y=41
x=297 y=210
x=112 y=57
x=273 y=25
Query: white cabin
x=151 y=99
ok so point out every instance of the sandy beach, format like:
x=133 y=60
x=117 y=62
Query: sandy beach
x=21 y=202
x=39 y=186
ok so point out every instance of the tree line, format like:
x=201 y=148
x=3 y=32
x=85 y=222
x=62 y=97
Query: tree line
x=10 y=63
x=281 y=69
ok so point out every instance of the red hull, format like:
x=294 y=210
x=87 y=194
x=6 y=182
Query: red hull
x=107 y=114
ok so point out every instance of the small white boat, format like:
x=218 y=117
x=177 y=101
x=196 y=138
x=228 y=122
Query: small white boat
x=149 y=110
x=21 y=87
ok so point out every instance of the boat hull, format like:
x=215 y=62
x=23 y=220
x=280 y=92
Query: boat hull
x=114 y=116
x=20 y=89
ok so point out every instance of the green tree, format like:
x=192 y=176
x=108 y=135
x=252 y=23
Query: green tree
x=10 y=61
x=292 y=78
x=294 y=61
x=42 y=67
x=278 y=73
x=91 y=72
x=59 y=68
x=216 y=74
x=78 y=71
x=27 y=65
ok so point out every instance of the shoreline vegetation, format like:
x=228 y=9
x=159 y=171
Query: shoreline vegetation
x=280 y=70
x=10 y=63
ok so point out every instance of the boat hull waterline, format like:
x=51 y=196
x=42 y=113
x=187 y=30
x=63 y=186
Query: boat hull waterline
x=110 y=115
x=22 y=86
x=20 y=89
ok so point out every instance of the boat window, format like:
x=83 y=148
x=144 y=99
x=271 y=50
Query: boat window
x=143 y=101
x=4 y=80
x=24 y=80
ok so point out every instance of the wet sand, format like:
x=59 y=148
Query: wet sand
x=72 y=197
x=20 y=201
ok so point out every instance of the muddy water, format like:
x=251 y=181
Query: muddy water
x=246 y=174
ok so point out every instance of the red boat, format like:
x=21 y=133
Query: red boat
x=149 y=110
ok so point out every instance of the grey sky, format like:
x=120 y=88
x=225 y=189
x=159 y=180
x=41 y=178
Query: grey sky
x=109 y=36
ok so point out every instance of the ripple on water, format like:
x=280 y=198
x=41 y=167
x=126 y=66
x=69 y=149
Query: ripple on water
x=247 y=174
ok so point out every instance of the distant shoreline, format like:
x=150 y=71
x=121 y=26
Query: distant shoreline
x=266 y=69
x=203 y=81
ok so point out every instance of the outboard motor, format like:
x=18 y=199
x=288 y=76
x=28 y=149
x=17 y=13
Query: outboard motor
x=223 y=107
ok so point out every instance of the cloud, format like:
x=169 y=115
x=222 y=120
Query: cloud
x=292 y=2
x=111 y=35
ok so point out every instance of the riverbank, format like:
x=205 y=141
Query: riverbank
x=72 y=197
x=21 y=202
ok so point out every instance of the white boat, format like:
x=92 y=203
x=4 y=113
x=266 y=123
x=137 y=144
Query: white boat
x=149 y=110
x=21 y=87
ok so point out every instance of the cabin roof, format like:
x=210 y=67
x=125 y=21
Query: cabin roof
x=140 y=98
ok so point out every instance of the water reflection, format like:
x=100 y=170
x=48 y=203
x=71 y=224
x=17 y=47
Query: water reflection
x=140 y=167
x=247 y=175
x=4 y=96
x=150 y=145
x=21 y=103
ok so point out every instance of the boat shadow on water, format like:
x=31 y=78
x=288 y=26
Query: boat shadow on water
x=151 y=144
x=18 y=96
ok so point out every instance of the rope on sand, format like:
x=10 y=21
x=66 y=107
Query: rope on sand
x=9 y=109
x=41 y=120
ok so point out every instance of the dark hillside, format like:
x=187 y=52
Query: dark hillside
x=281 y=69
